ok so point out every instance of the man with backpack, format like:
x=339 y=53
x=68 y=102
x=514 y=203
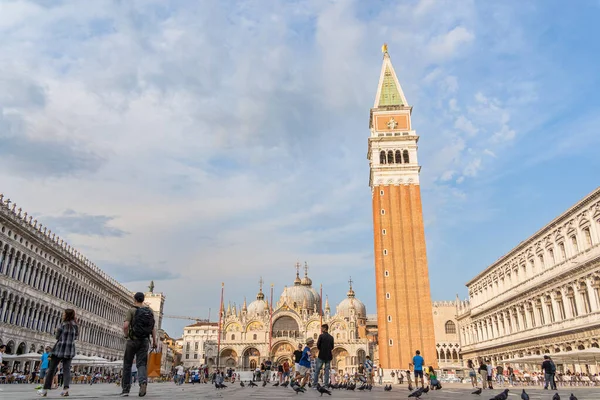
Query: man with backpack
x=549 y=369
x=138 y=327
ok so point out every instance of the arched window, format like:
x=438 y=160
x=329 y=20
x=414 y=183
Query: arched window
x=382 y=159
x=315 y=336
x=254 y=337
x=390 y=157
x=398 y=157
x=232 y=337
x=450 y=327
x=406 y=158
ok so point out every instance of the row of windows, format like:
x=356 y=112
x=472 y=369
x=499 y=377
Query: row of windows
x=18 y=265
x=545 y=258
x=559 y=306
x=21 y=311
x=394 y=157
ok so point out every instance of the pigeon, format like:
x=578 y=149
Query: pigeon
x=242 y=384
x=524 y=395
x=298 y=389
x=369 y=387
x=556 y=396
x=276 y=384
x=323 y=390
x=264 y=383
x=572 y=397
x=410 y=386
x=252 y=384
x=417 y=393
x=285 y=384
x=363 y=387
x=426 y=389
x=387 y=388
x=477 y=392
x=501 y=396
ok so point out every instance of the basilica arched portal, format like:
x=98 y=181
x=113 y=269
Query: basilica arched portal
x=250 y=358
x=228 y=358
x=340 y=359
x=283 y=351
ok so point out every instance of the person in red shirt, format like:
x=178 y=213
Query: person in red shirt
x=286 y=370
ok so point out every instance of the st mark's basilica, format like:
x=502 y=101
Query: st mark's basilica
x=247 y=341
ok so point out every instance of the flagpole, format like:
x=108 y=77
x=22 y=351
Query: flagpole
x=321 y=304
x=220 y=322
x=271 y=321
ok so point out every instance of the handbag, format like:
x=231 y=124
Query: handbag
x=154 y=359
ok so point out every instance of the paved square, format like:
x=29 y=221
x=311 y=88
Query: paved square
x=172 y=392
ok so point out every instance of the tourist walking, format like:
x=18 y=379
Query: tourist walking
x=45 y=360
x=325 y=346
x=138 y=327
x=418 y=362
x=368 y=368
x=62 y=352
x=380 y=375
x=472 y=373
x=490 y=371
x=549 y=371
x=511 y=376
x=304 y=369
x=483 y=373
x=500 y=375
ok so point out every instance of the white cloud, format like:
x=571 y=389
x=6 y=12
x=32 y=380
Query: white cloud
x=465 y=125
x=448 y=44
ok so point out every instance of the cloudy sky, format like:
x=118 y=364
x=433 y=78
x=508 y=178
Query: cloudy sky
x=200 y=142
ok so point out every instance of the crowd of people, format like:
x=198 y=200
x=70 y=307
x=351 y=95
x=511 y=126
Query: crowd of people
x=139 y=329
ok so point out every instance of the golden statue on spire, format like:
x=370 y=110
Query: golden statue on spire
x=384 y=48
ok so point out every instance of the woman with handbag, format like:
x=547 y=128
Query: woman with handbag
x=62 y=352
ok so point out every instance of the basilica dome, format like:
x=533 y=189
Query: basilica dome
x=258 y=306
x=349 y=303
x=301 y=295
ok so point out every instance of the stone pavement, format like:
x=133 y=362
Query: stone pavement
x=171 y=392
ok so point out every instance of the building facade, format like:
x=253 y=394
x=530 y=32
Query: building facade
x=405 y=320
x=447 y=343
x=199 y=344
x=542 y=297
x=251 y=335
x=40 y=277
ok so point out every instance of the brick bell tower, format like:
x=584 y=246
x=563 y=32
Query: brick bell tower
x=404 y=311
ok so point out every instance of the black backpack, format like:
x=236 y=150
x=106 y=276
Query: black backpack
x=142 y=323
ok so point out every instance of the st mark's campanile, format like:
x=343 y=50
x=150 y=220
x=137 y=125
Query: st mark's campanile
x=404 y=311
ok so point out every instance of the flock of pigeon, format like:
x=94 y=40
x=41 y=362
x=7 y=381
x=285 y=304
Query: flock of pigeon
x=388 y=388
x=524 y=396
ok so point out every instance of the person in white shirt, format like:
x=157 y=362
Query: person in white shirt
x=180 y=374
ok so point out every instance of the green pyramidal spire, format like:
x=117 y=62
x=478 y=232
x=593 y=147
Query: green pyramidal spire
x=390 y=96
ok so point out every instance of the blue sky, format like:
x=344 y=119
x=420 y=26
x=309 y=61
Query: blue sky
x=199 y=142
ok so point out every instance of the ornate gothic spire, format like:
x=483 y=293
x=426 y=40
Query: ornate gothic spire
x=260 y=295
x=327 y=303
x=350 y=291
x=244 y=306
x=297 y=281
